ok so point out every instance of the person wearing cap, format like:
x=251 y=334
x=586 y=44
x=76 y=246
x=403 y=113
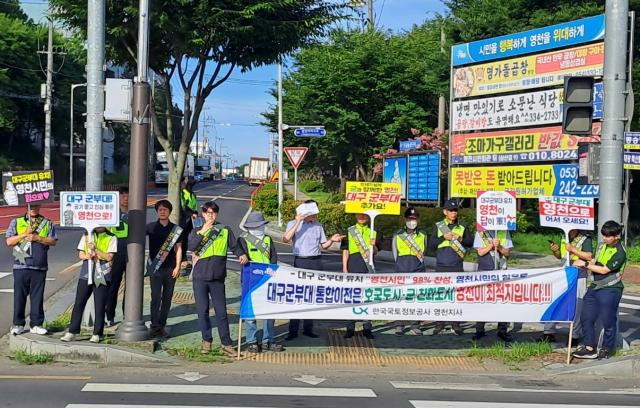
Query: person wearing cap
x=357 y=249
x=450 y=240
x=188 y=210
x=409 y=245
x=119 y=266
x=490 y=245
x=308 y=239
x=209 y=245
x=259 y=248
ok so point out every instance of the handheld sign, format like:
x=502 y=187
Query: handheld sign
x=496 y=211
x=27 y=187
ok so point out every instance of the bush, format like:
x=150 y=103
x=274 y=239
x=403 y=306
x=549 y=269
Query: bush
x=309 y=186
x=332 y=216
x=266 y=200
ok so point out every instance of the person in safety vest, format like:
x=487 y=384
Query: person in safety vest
x=409 y=250
x=493 y=248
x=30 y=237
x=209 y=245
x=604 y=276
x=580 y=246
x=357 y=251
x=121 y=232
x=450 y=240
x=163 y=266
x=188 y=211
x=259 y=248
x=96 y=252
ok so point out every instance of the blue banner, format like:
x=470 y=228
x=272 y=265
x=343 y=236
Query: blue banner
x=566 y=183
x=547 y=38
x=395 y=171
x=424 y=177
x=406 y=145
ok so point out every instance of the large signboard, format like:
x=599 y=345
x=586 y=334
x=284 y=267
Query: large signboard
x=496 y=211
x=522 y=145
x=567 y=213
x=395 y=171
x=384 y=198
x=526 y=181
x=283 y=292
x=89 y=209
x=632 y=160
x=27 y=187
x=632 y=140
x=541 y=39
x=424 y=177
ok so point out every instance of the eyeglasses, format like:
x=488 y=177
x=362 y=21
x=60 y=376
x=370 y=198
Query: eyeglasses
x=209 y=212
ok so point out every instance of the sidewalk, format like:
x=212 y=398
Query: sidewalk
x=301 y=196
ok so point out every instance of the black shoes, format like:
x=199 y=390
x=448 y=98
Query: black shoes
x=585 y=353
x=504 y=336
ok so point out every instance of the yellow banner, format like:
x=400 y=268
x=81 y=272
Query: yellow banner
x=368 y=196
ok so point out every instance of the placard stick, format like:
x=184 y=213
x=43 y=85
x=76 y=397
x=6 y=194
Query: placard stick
x=566 y=241
x=239 y=337
x=569 y=343
x=372 y=215
x=495 y=258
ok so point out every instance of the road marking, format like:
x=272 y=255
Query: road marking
x=230 y=389
x=46 y=377
x=191 y=376
x=497 y=387
x=51 y=279
x=475 y=404
x=4 y=274
x=145 y=406
x=6 y=290
x=630 y=306
x=628 y=297
x=71 y=268
x=310 y=379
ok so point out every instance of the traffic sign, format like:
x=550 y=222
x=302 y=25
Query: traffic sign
x=310 y=132
x=296 y=155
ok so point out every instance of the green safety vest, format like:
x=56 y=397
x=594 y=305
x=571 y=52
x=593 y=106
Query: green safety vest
x=256 y=255
x=577 y=242
x=101 y=241
x=502 y=237
x=122 y=230
x=22 y=224
x=604 y=253
x=188 y=200
x=366 y=235
x=404 y=249
x=458 y=230
x=219 y=245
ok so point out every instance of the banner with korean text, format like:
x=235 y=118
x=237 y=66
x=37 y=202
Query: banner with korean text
x=533 y=295
x=27 y=187
x=567 y=213
x=370 y=196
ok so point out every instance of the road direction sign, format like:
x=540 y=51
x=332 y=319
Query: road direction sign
x=296 y=155
x=310 y=132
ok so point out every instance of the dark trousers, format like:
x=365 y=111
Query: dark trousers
x=187 y=227
x=28 y=282
x=214 y=290
x=162 y=285
x=502 y=326
x=314 y=263
x=117 y=273
x=603 y=304
x=83 y=293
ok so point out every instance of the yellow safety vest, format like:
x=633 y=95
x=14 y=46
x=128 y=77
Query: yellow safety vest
x=404 y=249
x=188 y=200
x=219 y=245
x=256 y=255
x=22 y=224
x=366 y=235
x=458 y=230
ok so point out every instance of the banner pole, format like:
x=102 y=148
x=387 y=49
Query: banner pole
x=566 y=241
x=372 y=215
x=239 y=337
x=569 y=345
x=495 y=258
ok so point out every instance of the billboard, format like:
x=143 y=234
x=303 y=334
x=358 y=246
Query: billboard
x=424 y=177
x=395 y=171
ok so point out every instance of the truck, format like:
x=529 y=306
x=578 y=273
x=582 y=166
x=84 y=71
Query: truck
x=161 y=173
x=204 y=168
x=258 y=170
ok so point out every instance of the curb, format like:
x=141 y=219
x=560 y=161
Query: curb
x=627 y=367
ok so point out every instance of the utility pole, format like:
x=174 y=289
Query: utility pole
x=133 y=327
x=95 y=94
x=280 y=149
x=371 y=15
x=48 y=103
x=613 y=116
x=271 y=154
x=73 y=86
x=441 y=101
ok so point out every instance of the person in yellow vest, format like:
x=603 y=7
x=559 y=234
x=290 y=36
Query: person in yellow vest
x=259 y=248
x=450 y=240
x=94 y=280
x=603 y=296
x=188 y=211
x=30 y=238
x=121 y=232
x=409 y=251
x=580 y=246
x=357 y=251
x=209 y=245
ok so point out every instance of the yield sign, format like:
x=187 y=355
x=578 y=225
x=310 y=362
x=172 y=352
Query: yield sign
x=296 y=155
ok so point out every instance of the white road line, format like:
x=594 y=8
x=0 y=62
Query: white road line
x=230 y=389
x=629 y=297
x=6 y=290
x=475 y=404
x=4 y=274
x=497 y=387
x=630 y=306
x=144 y=406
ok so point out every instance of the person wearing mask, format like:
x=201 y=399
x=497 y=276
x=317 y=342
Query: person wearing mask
x=30 y=237
x=121 y=232
x=94 y=280
x=408 y=246
x=259 y=248
x=493 y=249
x=209 y=245
x=357 y=251
x=604 y=292
x=450 y=240
x=309 y=239
x=188 y=211
x=163 y=266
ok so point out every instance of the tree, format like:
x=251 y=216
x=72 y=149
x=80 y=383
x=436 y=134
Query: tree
x=199 y=43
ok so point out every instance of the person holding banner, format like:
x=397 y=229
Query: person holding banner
x=121 y=232
x=259 y=248
x=188 y=210
x=357 y=249
x=604 y=274
x=209 y=245
x=97 y=253
x=163 y=266
x=450 y=240
x=409 y=245
x=30 y=236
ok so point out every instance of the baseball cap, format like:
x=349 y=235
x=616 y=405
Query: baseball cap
x=411 y=213
x=450 y=205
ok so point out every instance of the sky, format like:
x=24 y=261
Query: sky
x=235 y=106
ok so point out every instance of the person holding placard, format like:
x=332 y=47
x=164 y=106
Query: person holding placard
x=119 y=267
x=188 y=211
x=30 y=236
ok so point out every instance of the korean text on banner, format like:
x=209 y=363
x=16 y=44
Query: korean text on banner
x=525 y=181
x=541 y=39
x=89 y=209
x=407 y=145
x=632 y=140
x=27 y=187
x=533 y=71
x=368 y=196
x=567 y=213
x=534 y=295
x=631 y=160
x=496 y=211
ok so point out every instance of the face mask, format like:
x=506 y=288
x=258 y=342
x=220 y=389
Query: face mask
x=412 y=224
x=258 y=232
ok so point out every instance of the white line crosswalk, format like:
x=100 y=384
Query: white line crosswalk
x=476 y=404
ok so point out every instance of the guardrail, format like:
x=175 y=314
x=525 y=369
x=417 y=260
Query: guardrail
x=254 y=192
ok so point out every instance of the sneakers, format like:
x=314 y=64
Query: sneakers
x=438 y=329
x=457 y=329
x=68 y=337
x=415 y=332
x=253 y=348
x=95 y=338
x=583 y=352
x=15 y=330
x=38 y=330
x=603 y=354
x=110 y=323
x=349 y=334
x=367 y=334
x=275 y=347
x=399 y=331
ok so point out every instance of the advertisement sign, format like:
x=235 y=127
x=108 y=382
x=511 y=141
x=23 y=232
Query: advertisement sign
x=496 y=211
x=632 y=140
x=526 y=181
x=89 y=209
x=424 y=177
x=407 y=145
x=522 y=145
x=383 y=198
x=567 y=213
x=519 y=110
x=533 y=71
x=631 y=161
x=533 y=295
x=395 y=171
x=540 y=39
x=27 y=187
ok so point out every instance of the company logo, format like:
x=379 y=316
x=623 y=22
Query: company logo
x=360 y=310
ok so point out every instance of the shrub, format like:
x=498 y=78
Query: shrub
x=309 y=186
x=266 y=200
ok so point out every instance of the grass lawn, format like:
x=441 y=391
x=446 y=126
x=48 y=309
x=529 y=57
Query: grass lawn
x=319 y=196
x=534 y=242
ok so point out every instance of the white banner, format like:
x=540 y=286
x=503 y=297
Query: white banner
x=89 y=209
x=534 y=295
x=496 y=211
x=567 y=213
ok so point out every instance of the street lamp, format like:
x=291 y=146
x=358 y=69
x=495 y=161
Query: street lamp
x=73 y=86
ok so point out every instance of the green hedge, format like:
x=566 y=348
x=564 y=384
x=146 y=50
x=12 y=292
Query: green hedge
x=309 y=186
x=266 y=200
